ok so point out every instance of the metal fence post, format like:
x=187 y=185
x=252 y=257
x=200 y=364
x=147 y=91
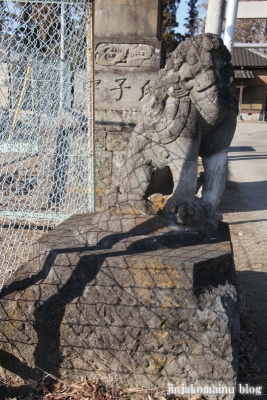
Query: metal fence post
x=91 y=102
x=230 y=23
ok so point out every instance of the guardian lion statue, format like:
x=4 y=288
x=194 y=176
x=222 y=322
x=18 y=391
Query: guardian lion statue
x=191 y=111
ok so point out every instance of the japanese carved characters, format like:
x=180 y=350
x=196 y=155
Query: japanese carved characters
x=190 y=111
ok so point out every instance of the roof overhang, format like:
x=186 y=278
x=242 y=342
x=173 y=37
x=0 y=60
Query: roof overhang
x=243 y=74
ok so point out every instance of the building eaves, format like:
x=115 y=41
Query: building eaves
x=243 y=74
x=244 y=57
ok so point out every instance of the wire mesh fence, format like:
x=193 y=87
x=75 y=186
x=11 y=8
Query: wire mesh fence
x=46 y=135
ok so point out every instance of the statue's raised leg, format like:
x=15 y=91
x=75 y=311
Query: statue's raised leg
x=183 y=165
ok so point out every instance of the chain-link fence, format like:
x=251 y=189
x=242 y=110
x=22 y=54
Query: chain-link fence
x=46 y=136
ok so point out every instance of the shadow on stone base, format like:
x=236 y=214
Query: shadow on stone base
x=140 y=310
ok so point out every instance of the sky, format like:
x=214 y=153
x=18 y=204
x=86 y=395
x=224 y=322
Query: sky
x=182 y=14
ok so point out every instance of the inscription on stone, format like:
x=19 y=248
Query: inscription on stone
x=145 y=89
x=120 y=87
x=123 y=55
x=122 y=90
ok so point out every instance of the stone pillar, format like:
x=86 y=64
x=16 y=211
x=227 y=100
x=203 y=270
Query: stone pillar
x=127 y=61
x=214 y=17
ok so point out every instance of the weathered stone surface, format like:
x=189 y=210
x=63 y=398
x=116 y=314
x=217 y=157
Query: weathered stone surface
x=115 y=120
x=117 y=165
x=103 y=164
x=110 y=120
x=151 y=308
x=123 y=89
x=100 y=139
x=99 y=198
x=126 y=55
x=121 y=19
x=117 y=140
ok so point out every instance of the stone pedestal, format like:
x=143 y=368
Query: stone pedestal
x=127 y=61
x=142 y=308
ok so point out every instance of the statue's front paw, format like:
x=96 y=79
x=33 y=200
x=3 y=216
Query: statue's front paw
x=197 y=213
x=189 y=212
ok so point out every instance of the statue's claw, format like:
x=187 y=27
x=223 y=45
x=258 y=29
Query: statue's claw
x=197 y=213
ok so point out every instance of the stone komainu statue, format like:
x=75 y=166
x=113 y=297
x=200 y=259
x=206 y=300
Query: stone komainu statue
x=190 y=112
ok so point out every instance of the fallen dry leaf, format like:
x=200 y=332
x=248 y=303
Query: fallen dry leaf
x=159 y=395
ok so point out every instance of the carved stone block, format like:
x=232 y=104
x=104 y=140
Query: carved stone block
x=121 y=19
x=100 y=139
x=143 y=306
x=116 y=120
x=116 y=141
x=122 y=90
x=117 y=165
x=103 y=165
x=125 y=55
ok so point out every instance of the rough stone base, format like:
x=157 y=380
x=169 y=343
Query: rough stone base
x=141 y=312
